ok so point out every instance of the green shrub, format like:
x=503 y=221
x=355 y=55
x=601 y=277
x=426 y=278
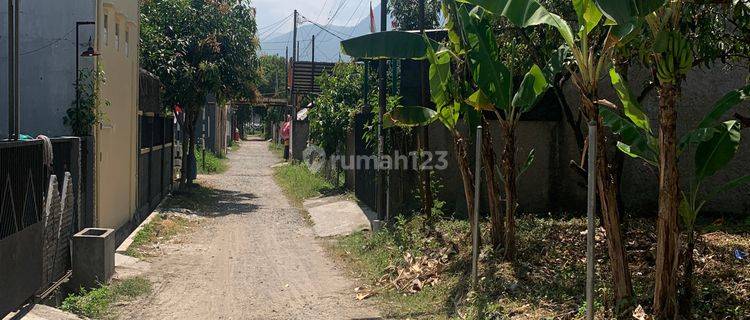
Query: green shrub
x=214 y=163
x=299 y=183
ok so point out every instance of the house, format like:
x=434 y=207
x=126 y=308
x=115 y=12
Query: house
x=47 y=73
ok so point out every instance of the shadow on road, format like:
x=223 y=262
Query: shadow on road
x=209 y=202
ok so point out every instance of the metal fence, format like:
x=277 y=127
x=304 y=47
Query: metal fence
x=22 y=174
x=155 y=159
x=39 y=213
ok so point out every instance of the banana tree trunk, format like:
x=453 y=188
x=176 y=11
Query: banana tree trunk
x=686 y=299
x=667 y=246
x=425 y=189
x=467 y=177
x=493 y=187
x=607 y=188
x=508 y=162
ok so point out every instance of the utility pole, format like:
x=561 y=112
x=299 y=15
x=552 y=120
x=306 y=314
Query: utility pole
x=312 y=66
x=382 y=100
x=286 y=74
x=294 y=59
x=13 y=86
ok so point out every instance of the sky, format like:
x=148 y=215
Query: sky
x=342 y=12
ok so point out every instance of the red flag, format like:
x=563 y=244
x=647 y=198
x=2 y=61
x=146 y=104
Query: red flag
x=372 y=19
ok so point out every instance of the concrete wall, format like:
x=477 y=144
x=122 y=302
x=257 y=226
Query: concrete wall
x=46 y=63
x=539 y=187
x=551 y=184
x=699 y=93
x=116 y=139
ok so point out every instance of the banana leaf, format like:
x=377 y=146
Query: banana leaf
x=706 y=128
x=409 y=116
x=627 y=11
x=491 y=75
x=526 y=13
x=588 y=14
x=532 y=87
x=385 y=45
x=632 y=109
x=634 y=142
x=715 y=153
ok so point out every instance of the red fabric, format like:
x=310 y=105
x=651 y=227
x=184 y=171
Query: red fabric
x=372 y=19
x=286 y=129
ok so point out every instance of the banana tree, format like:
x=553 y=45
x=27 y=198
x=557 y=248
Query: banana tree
x=447 y=90
x=670 y=55
x=591 y=59
x=494 y=93
x=716 y=145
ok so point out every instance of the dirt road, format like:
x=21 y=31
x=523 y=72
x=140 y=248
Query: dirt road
x=252 y=258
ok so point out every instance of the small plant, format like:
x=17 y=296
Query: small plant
x=82 y=116
x=89 y=303
x=97 y=303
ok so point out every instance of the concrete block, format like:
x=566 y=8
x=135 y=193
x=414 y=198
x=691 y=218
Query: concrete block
x=93 y=257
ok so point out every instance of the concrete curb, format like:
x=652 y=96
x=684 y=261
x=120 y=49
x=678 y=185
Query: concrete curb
x=129 y=240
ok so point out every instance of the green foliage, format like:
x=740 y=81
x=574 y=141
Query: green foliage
x=98 y=303
x=406 y=14
x=213 y=163
x=299 y=183
x=89 y=303
x=340 y=99
x=272 y=82
x=716 y=142
x=197 y=47
x=385 y=45
x=81 y=117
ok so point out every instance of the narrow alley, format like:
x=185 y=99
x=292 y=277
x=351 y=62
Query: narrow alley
x=253 y=258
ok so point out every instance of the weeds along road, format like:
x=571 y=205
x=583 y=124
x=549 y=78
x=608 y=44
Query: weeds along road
x=253 y=257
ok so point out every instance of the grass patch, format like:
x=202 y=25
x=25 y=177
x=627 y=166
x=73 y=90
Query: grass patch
x=548 y=279
x=213 y=164
x=277 y=149
x=161 y=228
x=234 y=146
x=299 y=183
x=98 y=303
x=195 y=197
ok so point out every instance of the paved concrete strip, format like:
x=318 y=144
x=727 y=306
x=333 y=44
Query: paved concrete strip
x=336 y=216
x=42 y=312
x=129 y=267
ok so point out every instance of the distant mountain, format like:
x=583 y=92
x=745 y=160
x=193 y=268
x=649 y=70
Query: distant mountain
x=327 y=47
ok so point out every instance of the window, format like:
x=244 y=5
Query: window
x=127 y=43
x=106 y=29
x=117 y=36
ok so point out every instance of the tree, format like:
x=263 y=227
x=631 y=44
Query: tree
x=197 y=47
x=406 y=15
x=496 y=94
x=272 y=82
x=671 y=55
x=339 y=100
x=590 y=59
x=715 y=143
